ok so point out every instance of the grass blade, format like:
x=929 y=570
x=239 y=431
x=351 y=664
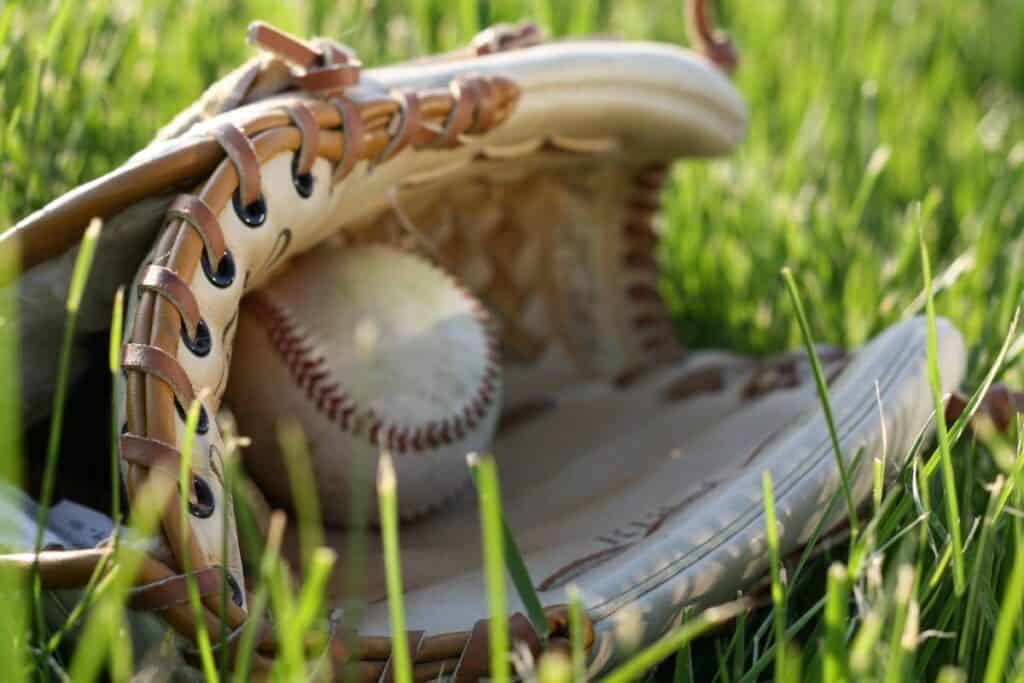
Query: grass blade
x=519 y=573
x=257 y=608
x=1009 y=620
x=826 y=405
x=302 y=482
x=83 y=264
x=79 y=278
x=14 y=624
x=836 y=622
x=116 y=340
x=388 y=499
x=778 y=593
x=671 y=642
x=494 y=562
x=948 y=478
x=579 y=665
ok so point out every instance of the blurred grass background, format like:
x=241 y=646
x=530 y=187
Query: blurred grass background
x=860 y=112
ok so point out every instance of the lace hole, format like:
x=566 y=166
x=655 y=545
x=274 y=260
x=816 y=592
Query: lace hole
x=202 y=343
x=303 y=181
x=224 y=276
x=254 y=214
x=236 y=591
x=204 y=423
x=204 y=504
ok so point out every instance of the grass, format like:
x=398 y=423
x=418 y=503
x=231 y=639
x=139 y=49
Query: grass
x=881 y=132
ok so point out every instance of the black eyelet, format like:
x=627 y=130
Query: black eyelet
x=236 y=591
x=203 y=342
x=204 y=422
x=124 y=428
x=225 y=274
x=253 y=215
x=303 y=181
x=204 y=504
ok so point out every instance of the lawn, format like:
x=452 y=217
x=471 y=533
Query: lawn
x=876 y=126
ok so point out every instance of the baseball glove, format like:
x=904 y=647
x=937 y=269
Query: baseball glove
x=490 y=212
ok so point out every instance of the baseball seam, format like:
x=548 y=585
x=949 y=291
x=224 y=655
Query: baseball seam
x=312 y=374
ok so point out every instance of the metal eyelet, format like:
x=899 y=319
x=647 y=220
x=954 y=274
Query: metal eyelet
x=203 y=342
x=255 y=214
x=236 y=591
x=303 y=181
x=204 y=504
x=204 y=421
x=224 y=276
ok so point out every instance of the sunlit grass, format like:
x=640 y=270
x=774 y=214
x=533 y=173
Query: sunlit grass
x=862 y=112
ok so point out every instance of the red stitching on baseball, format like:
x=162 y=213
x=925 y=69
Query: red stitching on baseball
x=313 y=375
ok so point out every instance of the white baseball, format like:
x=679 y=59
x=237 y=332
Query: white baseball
x=369 y=348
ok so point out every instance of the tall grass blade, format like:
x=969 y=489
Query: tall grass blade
x=302 y=483
x=578 y=654
x=1012 y=603
x=519 y=573
x=971 y=409
x=492 y=533
x=836 y=622
x=114 y=360
x=260 y=600
x=79 y=277
x=775 y=563
x=948 y=477
x=14 y=620
x=387 y=494
x=903 y=637
x=826 y=404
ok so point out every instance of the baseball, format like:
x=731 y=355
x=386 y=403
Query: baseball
x=369 y=348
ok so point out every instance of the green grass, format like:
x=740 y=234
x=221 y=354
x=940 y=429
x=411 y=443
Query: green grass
x=881 y=130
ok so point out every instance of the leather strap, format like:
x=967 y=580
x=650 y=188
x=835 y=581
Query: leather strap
x=475 y=661
x=486 y=106
x=329 y=79
x=141 y=450
x=309 y=149
x=242 y=154
x=465 y=95
x=284 y=45
x=157 y=362
x=410 y=122
x=713 y=44
x=194 y=211
x=323 y=69
x=166 y=283
x=354 y=128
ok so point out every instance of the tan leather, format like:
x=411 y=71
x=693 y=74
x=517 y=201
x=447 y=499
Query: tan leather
x=150 y=453
x=167 y=284
x=309 y=147
x=240 y=150
x=155 y=361
x=197 y=214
